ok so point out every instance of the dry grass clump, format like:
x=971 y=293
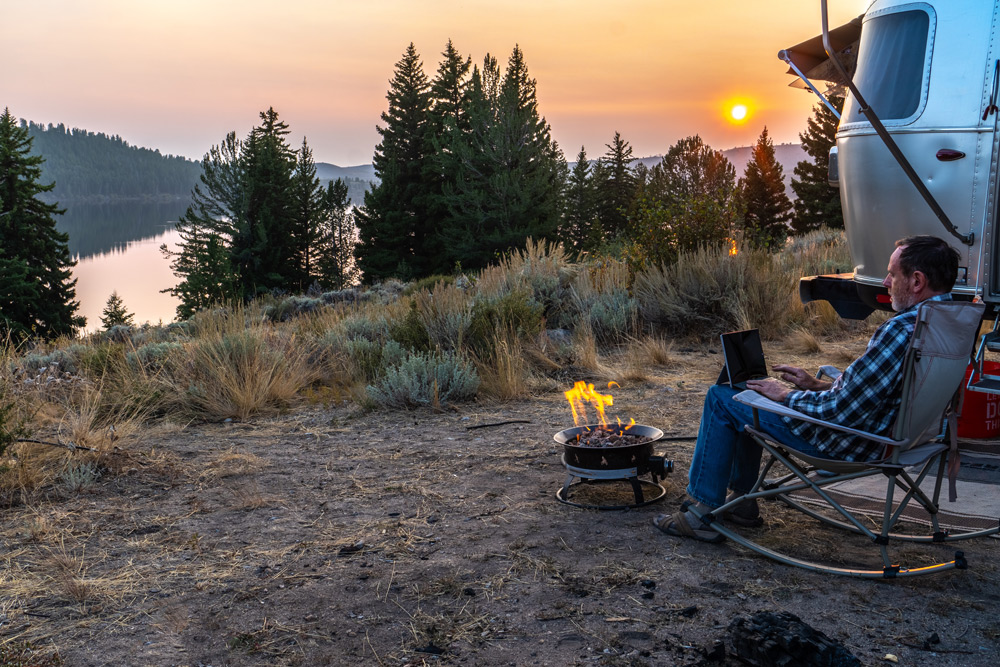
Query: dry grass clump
x=446 y=313
x=804 y=341
x=239 y=365
x=503 y=368
x=709 y=291
x=823 y=251
x=545 y=271
x=601 y=296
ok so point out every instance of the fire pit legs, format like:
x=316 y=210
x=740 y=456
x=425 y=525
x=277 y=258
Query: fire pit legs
x=630 y=475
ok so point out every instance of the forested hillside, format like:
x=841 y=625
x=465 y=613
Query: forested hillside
x=93 y=166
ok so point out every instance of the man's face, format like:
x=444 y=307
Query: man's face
x=899 y=285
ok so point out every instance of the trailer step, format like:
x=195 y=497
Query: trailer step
x=986 y=386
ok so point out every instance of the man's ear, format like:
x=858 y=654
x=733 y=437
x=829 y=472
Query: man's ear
x=919 y=281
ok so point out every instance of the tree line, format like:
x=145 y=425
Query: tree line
x=468 y=171
x=88 y=165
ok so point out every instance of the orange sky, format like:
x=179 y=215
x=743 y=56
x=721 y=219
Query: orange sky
x=177 y=75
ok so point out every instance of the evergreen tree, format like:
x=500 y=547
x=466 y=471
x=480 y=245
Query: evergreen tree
x=116 y=313
x=448 y=126
x=37 y=291
x=307 y=215
x=817 y=204
x=580 y=231
x=338 y=238
x=394 y=221
x=509 y=186
x=239 y=236
x=767 y=210
x=617 y=187
x=207 y=231
x=263 y=252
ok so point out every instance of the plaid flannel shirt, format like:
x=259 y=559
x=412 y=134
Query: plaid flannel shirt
x=866 y=397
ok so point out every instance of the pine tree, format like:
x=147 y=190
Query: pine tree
x=767 y=209
x=338 y=238
x=239 y=237
x=393 y=223
x=817 y=204
x=616 y=189
x=448 y=126
x=307 y=216
x=509 y=186
x=580 y=230
x=263 y=252
x=115 y=312
x=203 y=263
x=37 y=291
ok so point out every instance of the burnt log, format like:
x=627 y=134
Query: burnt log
x=769 y=639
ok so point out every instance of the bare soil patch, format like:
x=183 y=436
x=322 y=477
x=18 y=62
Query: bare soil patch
x=334 y=537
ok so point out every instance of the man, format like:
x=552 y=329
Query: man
x=867 y=397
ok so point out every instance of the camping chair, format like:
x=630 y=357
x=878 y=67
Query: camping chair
x=933 y=370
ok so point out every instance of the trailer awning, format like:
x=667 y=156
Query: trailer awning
x=811 y=58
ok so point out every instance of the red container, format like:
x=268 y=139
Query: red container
x=980 y=411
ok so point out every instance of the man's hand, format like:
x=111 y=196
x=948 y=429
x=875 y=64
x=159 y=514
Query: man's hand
x=801 y=378
x=771 y=388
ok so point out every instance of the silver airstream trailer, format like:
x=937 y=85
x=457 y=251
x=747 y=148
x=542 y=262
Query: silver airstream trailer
x=917 y=146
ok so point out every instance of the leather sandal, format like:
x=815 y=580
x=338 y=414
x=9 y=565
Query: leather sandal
x=746 y=514
x=677 y=525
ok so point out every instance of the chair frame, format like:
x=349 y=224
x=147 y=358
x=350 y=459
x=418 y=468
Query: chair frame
x=925 y=454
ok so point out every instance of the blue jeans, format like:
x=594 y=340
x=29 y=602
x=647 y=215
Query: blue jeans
x=724 y=455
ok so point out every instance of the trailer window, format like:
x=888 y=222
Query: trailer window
x=891 y=64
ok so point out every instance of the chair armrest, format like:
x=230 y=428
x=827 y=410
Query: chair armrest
x=760 y=402
x=831 y=372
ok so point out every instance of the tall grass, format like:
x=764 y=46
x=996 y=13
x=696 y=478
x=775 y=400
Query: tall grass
x=238 y=366
x=709 y=291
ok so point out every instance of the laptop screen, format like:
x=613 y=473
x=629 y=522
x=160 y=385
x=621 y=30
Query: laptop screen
x=744 y=355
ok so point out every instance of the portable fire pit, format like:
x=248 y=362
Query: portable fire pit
x=598 y=454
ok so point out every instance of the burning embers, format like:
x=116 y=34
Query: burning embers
x=600 y=434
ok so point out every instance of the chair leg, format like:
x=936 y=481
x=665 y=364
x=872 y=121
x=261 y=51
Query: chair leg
x=798 y=479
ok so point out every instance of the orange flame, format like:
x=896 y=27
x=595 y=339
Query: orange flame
x=631 y=423
x=583 y=393
x=733 y=250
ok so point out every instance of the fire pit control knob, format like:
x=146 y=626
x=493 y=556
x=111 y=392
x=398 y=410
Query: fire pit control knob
x=660 y=466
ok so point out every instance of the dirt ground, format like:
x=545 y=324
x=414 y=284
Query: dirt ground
x=330 y=536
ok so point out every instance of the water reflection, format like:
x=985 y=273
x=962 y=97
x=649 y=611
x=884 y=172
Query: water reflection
x=117 y=247
x=100 y=228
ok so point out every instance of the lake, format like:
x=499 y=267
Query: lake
x=117 y=248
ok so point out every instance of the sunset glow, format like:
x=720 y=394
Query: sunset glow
x=177 y=76
x=738 y=112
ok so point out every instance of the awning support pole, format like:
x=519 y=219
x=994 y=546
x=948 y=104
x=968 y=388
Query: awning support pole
x=783 y=54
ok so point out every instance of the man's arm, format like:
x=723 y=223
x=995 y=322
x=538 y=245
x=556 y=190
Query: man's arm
x=869 y=386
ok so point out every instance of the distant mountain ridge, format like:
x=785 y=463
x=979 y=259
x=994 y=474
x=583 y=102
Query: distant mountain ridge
x=787 y=155
x=90 y=166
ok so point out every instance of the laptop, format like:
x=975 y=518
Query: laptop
x=743 y=358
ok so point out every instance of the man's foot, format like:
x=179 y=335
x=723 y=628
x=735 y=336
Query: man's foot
x=746 y=514
x=677 y=525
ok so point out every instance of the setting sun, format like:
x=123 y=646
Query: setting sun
x=738 y=112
